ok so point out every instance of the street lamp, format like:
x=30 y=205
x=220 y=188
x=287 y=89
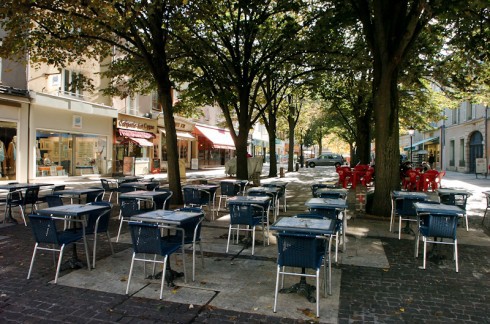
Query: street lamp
x=411 y=131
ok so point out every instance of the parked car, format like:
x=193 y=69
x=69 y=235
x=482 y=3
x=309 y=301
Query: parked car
x=327 y=159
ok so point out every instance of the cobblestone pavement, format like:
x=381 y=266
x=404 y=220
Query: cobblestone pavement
x=400 y=293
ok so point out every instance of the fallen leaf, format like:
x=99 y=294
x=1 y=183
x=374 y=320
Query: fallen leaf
x=402 y=309
x=191 y=306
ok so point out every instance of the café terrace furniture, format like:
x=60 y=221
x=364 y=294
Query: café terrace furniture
x=167 y=195
x=228 y=189
x=456 y=197
x=77 y=193
x=272 y=192
x=345 y=176
x=47 y=236
x=140 y=185
x=54 y=200
x=158 y=197
x=437 y=221
x=77 y=215
x=148 y=242
x=132 y=207
x=428 y=179
x=331 y=193
x=487 y=196
x=281 y=194
x=18 y=198
x=184 y=228
x=15 y=189
x=98 y=223
x=402 y=207
x=302 y=243
x=200 y=195
x=325 y=203
x=110 y=187
x=249 y=215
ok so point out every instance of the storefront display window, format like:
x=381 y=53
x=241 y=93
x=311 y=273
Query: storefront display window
x=64 y=154
x=8 y=150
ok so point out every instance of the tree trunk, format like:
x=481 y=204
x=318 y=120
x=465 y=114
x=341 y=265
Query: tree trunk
x=173 y=172
x=291 y=150
x=272 y=146
x=363 y=140
x=387 y=139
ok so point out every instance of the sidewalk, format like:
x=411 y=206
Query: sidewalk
x=376 y=280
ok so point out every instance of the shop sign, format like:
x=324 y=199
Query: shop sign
x=135 y=123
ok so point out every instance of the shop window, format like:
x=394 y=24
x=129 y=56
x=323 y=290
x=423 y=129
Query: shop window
x=63 y=154
x=8 y=150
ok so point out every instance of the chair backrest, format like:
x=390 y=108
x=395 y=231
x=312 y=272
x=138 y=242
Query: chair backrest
x=330 y=213
x=58 y=188
x=54 y=200
x=129 y=207
x=298 y=250
x=163 y=203
x=242 y=214
x=146 y=238
x=192 y=229
x=105 y=184
x=44 y=229
x=332 y=195
x=405 y=207
x=316 y=186
x=442 y=226
x=229 y=189
x=98 y=220
x=94 y=196
x=193 y=196
x=31 y=195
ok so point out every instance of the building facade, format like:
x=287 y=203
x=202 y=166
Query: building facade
x=457 y=141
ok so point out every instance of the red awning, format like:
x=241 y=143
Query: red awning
x=135 y=134
x=220 y=138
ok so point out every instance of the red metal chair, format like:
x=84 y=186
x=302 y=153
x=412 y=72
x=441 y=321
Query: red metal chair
x=439 y=178
x=345 y=175
x=368 y=177
x=428 y=179
x=410 y=181
x=358 y=173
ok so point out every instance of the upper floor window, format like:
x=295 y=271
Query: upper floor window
x=72 y=83
x=132 y=106
x=469 y=111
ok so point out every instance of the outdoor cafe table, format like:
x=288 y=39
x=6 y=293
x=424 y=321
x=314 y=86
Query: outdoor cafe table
x=72 y=211
x=143 y=185
x=126 y=179
x=397 y=194
x=157 y=196
x=328 y=203
x=18 y=186
x=172 y=218
x=341 y=191
x=76 y=193
x=311 y=226
x=211 y=188
x=262 y=201
x=275 y=191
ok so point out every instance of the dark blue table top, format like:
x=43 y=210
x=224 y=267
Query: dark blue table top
x=304 y=225
x=260 y=200
x=421 y=207
x=444 y=192
x=143 y=194
x=326 y=203
x=70 y=210
x=171 y=217
x=17 y=186
x=409 y=194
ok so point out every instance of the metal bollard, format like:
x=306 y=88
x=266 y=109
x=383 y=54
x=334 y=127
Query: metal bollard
x=281 y=172
x=297 y=167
